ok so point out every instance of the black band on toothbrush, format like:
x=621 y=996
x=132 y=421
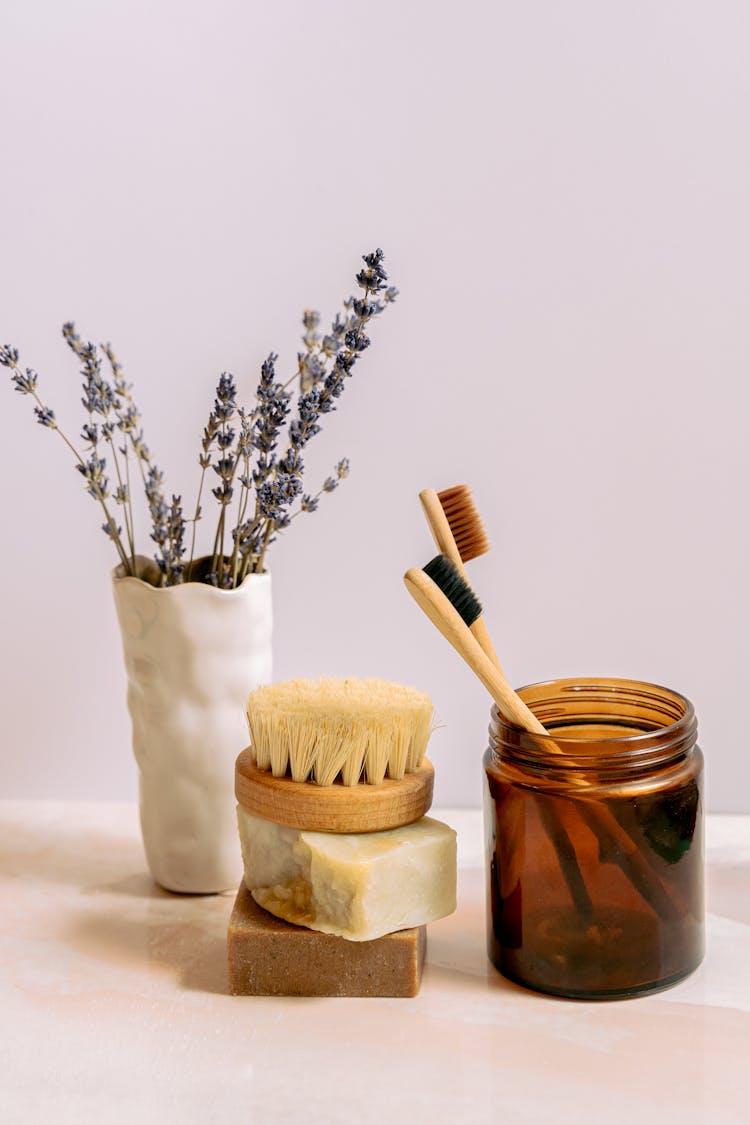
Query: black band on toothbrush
x=457 y=590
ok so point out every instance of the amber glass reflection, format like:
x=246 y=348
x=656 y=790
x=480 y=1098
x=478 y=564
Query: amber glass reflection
x=594 y=840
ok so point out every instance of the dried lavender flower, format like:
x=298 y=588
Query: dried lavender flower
x=278 y=481
x=26 y=383
x=226 y=398
x=45 y=416
x=157 y=506
x=330 y=484
x=92 y=472
x=242 y=447
x=8 y=356
x=311 y=337
x=276 y=495
x=72 y=339
x=176 y=540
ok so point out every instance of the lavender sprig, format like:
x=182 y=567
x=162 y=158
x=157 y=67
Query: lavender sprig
x=128 y=422
x=344 y=345
x=101 y=398
x=311 y=366
x=210 y=434
x=168 y=528
x=330 y=484
x=127 y=417
x=225 y=408
x=272 y=409
x=176 y=542
x=26 y=382
x=245 y=447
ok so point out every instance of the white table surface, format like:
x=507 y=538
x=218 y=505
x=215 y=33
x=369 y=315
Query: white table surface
x=114 y=1008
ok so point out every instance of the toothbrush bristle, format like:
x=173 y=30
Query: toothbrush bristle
x=465 y=522
x=459 y=593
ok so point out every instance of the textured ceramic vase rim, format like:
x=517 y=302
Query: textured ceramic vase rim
x=120 y=579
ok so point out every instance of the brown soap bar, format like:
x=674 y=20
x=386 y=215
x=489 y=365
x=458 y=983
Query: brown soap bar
x=268 y=957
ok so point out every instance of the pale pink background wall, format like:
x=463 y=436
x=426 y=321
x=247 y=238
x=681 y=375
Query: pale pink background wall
x=562 y=191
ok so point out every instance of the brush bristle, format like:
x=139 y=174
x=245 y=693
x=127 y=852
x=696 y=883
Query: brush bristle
x=457 y=590
x=465 y=522
x=348 y=730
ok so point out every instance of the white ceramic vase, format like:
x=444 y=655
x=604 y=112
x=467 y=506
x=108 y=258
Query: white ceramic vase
x=192 y=655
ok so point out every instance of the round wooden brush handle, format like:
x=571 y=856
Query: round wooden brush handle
x=444 y=617
x=333 y=808
x=444 y=541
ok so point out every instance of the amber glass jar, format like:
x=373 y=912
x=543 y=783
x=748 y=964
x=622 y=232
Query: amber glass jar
x=594 y=838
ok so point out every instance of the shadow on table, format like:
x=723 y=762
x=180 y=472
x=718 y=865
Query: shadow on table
x=155 y=930
x=119 y=916
x=457 y=960
x=134 y=923
x=55 y=854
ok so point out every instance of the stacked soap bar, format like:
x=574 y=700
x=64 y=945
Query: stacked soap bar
x=268 y=957
x=359 y=886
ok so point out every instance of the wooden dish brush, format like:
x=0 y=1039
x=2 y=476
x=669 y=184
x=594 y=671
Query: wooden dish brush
x=336 y=755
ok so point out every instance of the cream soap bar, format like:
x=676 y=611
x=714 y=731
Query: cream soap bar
x=360 y=886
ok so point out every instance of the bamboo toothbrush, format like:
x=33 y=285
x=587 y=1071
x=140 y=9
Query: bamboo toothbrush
x=456 y=524
x=452 y=615
x=459 y=535
x=451 y=605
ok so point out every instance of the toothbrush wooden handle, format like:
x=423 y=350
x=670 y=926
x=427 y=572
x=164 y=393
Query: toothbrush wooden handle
x=446 y=544
x=482 y=634
x=433 y=602
x=437 y=522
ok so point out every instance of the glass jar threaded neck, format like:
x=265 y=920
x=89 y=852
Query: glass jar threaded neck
x=598 y=725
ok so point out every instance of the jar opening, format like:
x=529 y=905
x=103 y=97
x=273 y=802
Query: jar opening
x=599 y=723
